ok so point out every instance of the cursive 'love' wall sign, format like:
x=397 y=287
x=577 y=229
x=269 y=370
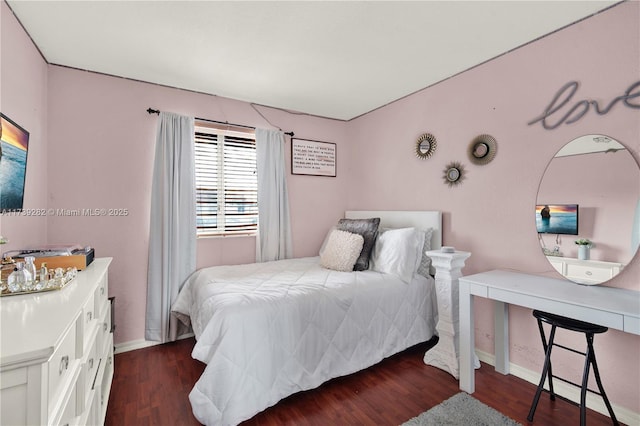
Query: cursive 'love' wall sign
x=580 y=108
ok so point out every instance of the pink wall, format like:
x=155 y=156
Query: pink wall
x=96 y=151
x=101 y=156
x=23 y=82
x=490 y=213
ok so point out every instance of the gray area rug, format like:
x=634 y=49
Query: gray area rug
x=461 y=409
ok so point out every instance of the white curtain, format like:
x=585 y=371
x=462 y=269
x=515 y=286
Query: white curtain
x=273 y=241
x=172 y=237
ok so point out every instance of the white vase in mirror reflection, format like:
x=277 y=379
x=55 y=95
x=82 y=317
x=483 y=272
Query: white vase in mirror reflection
x=583 y=252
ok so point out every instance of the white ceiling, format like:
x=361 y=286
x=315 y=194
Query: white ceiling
x=337 y=59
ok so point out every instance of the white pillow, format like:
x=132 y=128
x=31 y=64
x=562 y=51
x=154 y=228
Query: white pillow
x=398 y=252
x=341 y=250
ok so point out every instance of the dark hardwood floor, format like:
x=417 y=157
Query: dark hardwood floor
x=151 y=387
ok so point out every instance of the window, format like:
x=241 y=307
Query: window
x=226 y=181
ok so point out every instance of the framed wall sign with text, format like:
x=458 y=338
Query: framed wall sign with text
x=313 y=158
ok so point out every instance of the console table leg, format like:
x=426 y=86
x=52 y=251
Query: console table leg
x=467 y=340
x=501 y=338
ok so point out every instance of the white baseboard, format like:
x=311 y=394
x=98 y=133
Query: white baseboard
x=133 y=345
x=594 y=402
x=141 y=344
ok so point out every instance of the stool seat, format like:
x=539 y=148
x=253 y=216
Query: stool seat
x=589 y=330
x=569 y=323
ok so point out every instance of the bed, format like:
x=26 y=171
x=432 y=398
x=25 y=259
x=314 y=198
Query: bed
x=268 y=330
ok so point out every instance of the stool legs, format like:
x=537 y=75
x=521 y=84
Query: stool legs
x=590 y=359
x=547 y=347
x=591 y=356
x=546 y=370
x=583 y=389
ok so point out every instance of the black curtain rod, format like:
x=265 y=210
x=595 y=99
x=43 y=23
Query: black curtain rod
x=155 y=111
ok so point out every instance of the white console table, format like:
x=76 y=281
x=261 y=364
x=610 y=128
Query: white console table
x=611 y=307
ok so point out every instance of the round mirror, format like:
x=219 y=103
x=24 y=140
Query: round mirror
x=425 y=146
x=482 y=149
x=454 y=173
x=588 y=209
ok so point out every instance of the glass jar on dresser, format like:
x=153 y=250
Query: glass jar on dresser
x=56 y=352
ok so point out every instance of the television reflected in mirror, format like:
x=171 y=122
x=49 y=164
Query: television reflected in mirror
x=557 y=219
x=14 y=145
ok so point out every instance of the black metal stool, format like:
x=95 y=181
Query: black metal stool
x=590 y=359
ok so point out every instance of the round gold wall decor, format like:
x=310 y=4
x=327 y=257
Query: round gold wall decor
x=454 y=174
x=425 y=146
x=482 y=149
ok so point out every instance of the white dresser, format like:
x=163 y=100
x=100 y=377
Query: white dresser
x=56 y=358
x=585 y=271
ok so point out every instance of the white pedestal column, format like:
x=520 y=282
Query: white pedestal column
x=446 y=354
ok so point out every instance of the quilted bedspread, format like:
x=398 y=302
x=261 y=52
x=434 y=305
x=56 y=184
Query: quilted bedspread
x=268 y=330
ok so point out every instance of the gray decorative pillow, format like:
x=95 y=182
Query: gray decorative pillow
x=425 y=263
x=368 y=228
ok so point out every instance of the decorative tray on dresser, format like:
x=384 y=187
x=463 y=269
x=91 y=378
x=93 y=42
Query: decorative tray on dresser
x=56 y=353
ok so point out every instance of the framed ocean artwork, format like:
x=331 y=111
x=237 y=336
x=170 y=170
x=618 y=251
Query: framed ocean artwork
x=14 y=146
x=557 y=219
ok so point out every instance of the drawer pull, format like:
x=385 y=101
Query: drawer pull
x=91 y=364
x=64 y=364
x=102 y=291
x=588 y=273
x=104 y=326
x=89 y=316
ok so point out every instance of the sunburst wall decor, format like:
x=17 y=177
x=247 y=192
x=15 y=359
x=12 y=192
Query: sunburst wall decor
x=425 y=146
x=482 y=149
x=454 y=173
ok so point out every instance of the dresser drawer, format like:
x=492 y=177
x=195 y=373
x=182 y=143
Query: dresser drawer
x=107 y=379
x=70 y=410
x=62 y=363
x=88 y=315
x=104 y=329
x=13 y=394
x=93 y=410
x=588 y=272
x=90 y=367
x=101 y=295
x=87 y=329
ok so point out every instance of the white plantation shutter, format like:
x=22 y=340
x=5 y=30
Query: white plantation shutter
x=226 y=182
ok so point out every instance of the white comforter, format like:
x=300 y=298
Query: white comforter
x=268 y=330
